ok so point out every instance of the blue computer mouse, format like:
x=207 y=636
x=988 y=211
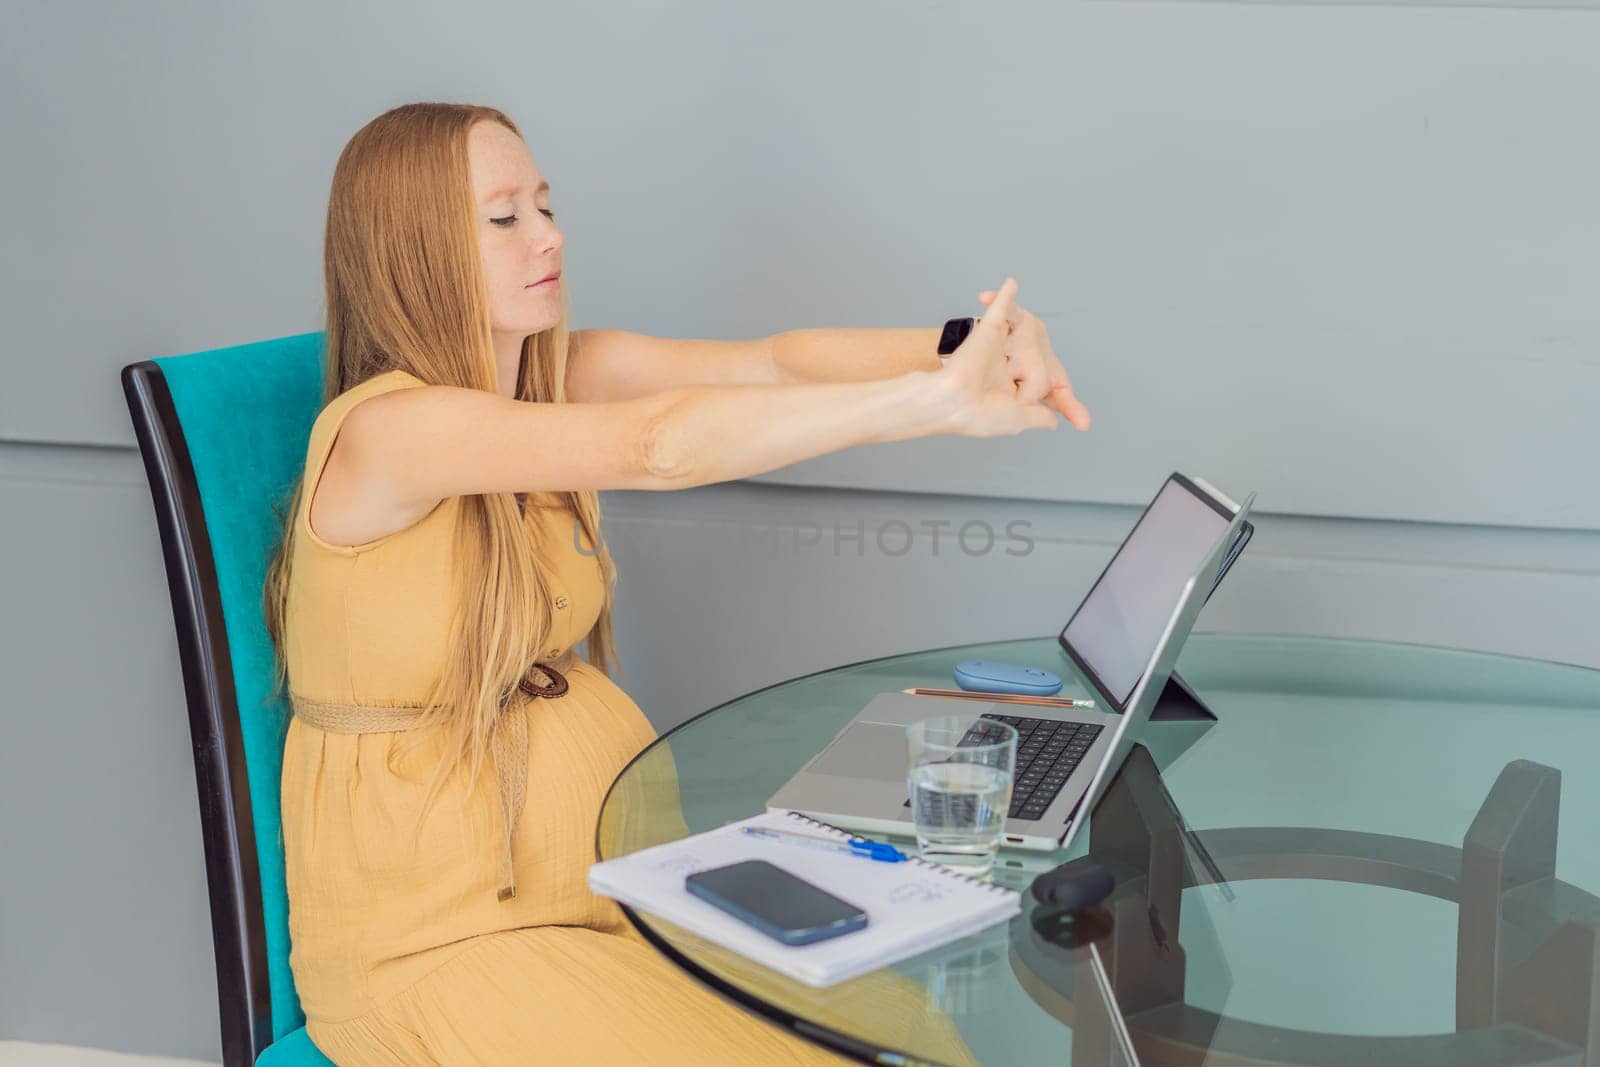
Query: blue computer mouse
x=990 y=677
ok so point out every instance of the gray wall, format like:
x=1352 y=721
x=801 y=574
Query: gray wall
x=1257 y=232
x=1364 y=231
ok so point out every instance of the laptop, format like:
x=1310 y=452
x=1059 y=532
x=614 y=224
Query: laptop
x=1124 y=636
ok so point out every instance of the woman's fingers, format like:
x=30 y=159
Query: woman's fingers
x=1064 y=400
x=1062 y=396
x=1031 y=347
x=1016 y=395
x=1015 y=316
x=1026 y=350
x=1040 y=417
x=998 y=315
x=988 y=339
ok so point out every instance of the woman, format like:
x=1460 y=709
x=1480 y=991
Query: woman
x=446 y=538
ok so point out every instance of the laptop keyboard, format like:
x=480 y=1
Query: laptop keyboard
x=1048 y=751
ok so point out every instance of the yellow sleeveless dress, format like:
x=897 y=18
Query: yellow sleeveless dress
x=405 y=955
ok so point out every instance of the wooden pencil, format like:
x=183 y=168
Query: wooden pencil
x=1001 y=698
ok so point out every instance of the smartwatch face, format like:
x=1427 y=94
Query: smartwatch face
x=955 y=331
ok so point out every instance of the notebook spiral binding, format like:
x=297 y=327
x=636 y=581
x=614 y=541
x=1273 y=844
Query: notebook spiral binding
x=939 y=867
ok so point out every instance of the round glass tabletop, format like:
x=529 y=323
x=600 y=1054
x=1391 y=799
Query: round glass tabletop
x=1359 y=859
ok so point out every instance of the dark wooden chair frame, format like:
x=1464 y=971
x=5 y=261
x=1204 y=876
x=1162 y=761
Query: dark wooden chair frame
x=238 y=928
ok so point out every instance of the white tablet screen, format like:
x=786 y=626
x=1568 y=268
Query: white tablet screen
x=1116 y=629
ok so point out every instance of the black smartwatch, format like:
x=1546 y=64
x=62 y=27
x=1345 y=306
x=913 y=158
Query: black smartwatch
x=955 y=331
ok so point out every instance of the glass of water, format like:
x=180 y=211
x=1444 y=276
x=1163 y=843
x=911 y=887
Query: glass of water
x=959 y=778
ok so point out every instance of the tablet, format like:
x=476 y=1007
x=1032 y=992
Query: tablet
x=1115 y=629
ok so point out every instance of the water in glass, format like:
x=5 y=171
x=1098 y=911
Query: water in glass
x=959 y=780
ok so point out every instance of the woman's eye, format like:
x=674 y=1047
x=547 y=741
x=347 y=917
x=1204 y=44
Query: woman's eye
x=509 y=219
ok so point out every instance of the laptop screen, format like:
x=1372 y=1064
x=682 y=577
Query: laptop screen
x=1115 y=629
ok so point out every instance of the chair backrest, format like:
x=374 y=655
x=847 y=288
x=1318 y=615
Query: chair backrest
x=224 y=434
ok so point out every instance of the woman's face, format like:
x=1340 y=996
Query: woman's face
x=516 y=232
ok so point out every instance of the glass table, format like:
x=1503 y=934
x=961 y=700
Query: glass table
x=1377 y=853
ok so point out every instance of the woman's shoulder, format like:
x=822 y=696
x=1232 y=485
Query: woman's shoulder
x=324 y=433
x=326 y=425
x=382 y=382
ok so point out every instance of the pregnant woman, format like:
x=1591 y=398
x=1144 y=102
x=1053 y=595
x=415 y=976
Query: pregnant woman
x=449 y=750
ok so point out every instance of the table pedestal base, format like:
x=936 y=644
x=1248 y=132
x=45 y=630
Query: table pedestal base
x=1528 y=959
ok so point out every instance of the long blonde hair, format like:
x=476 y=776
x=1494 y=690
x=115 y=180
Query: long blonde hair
x=405 y=290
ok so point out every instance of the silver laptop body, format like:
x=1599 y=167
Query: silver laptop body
x=858 y=781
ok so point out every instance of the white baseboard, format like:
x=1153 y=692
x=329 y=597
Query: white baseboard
x=32 y=1054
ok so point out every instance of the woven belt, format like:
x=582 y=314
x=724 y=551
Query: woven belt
x=508 y=743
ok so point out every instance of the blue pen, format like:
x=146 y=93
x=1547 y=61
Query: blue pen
x=856 y=846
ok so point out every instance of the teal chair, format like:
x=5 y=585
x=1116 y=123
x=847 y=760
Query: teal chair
x=223 y=434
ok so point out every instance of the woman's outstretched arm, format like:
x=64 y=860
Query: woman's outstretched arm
x=399 y=453
x=851 y=355
x=609 y=365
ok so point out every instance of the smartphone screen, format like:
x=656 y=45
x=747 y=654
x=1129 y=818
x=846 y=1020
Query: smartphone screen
x=776 y=902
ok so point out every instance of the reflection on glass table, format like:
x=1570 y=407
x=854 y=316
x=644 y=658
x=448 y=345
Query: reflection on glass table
x=1407 y=836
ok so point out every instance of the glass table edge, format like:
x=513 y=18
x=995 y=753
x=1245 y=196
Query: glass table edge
x=1376 y=642
x=849 y=1045
x=846 y=1044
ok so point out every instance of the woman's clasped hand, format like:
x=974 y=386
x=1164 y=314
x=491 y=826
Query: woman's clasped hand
x=1006 y=377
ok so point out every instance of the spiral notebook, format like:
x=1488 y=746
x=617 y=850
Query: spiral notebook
x=911 y=907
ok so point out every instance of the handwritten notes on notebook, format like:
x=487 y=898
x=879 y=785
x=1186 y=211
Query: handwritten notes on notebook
x=911 y=907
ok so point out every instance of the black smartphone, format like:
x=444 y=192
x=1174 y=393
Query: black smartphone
x=775 y=902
